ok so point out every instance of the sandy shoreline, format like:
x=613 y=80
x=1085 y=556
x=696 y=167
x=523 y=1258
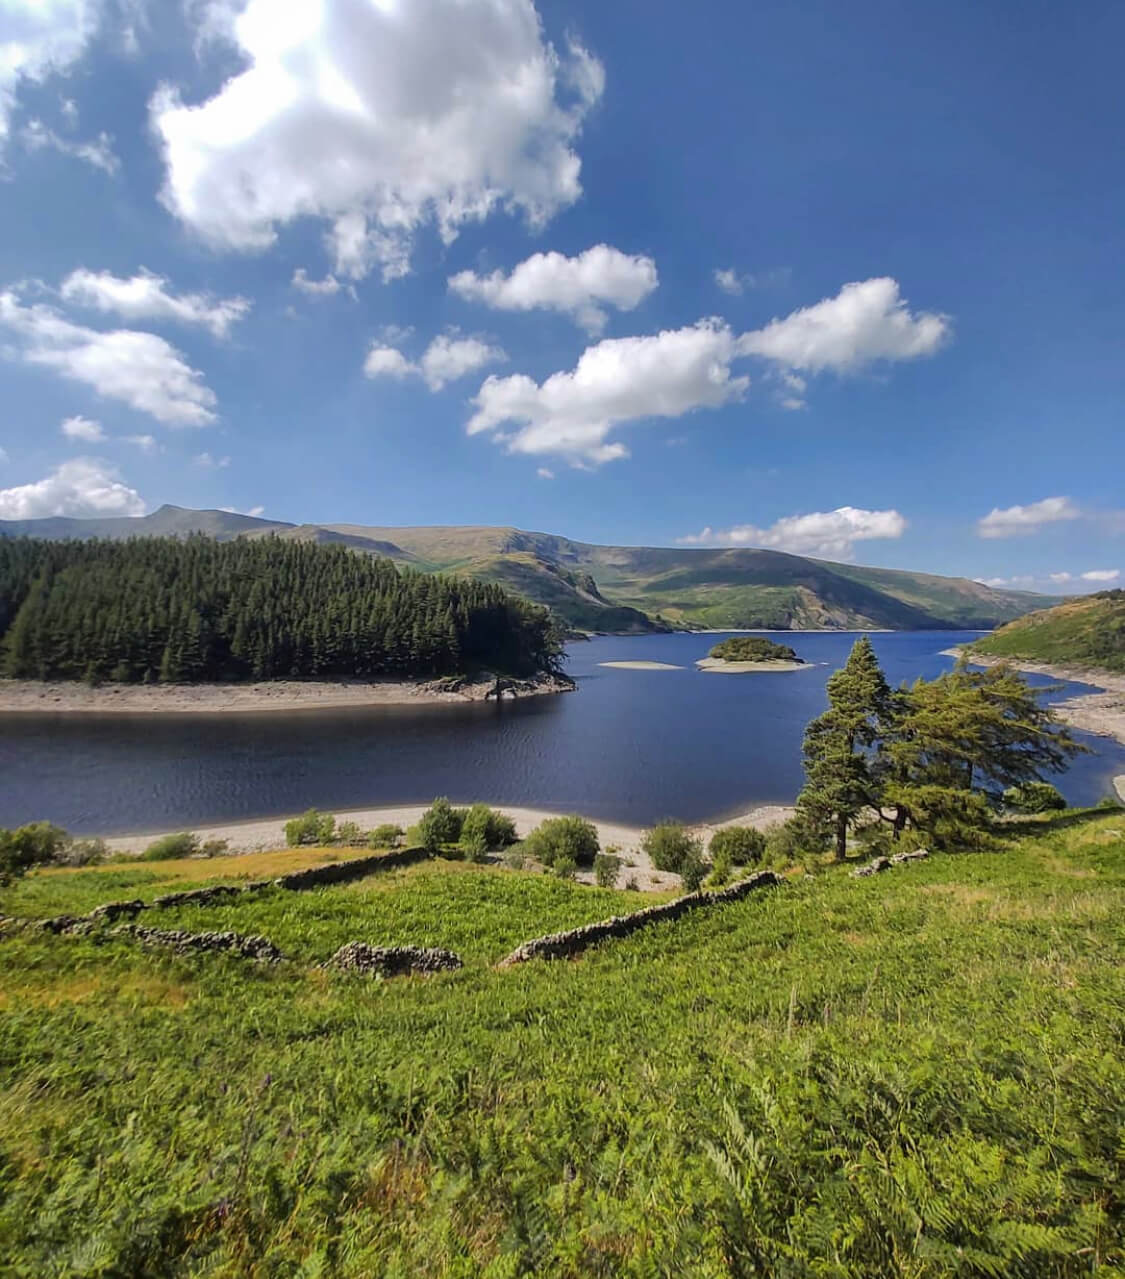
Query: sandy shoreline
x=34 y=697
x=248 y=837
x=642 y=666
x=1100 y=713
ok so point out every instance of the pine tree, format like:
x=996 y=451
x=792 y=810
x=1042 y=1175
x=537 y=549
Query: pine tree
x=840 y=775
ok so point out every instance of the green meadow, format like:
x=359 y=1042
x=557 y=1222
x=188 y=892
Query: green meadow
x=921 y=1073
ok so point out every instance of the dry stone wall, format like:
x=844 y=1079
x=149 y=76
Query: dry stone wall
x=344 y=872
x=576 y=940
x=878 y=864
x=392 y=961
x=253 y=947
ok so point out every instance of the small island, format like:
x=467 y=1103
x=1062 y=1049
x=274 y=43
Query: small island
x=751 y=653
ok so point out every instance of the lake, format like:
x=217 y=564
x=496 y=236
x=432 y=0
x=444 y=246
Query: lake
x=632 y=746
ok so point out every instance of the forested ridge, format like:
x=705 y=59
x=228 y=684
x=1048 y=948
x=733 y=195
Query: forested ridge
x=175 y=610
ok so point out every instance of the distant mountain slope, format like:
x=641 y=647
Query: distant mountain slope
x=623 y=588
x=1089 y=631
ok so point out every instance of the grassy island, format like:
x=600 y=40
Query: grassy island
x=752 y=648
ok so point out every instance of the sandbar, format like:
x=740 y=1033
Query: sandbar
x=33 y=696
x=258 y=836
x=642 y=666
x=737 y=668
x=1102 y=714
x=1119 y=786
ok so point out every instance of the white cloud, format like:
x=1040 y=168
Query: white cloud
x=81 y=487
x=446 y=359
x=211 y=463
x=36 y=136
x=140 y=369
x=581 y=286
x=617 y=381
x=545 y=473
x=1101 y=575
x=3 y=457
x=378 y=117
x=315 y=288
x=146 y=443
x=828 y=534
x=1059 y=578
x=254 y=512
x=39 y=38
x=865 y=322
x=83 y=428
x=68 y=109
x=1016 y=521
x=729 y=280
x=146 y=296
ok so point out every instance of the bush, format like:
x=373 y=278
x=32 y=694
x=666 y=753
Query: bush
x=514 y=859
x=792 y=842
x=171 y=848
x=563 y=838
x=439 y=825
x=349 y=834
x=474 y=844
x=670 y=847
x=485 y=828
x=738 y=846
x=310 y=828
x=565 y=867
x=721 y=866
x=214 y=848
x=1034 y=797
x=631 y=885
x=693 y=869
x=82 y=852
x=607 y=867
x=36 y=844
x=386 y=836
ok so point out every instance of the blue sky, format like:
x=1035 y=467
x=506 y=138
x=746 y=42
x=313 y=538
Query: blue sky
x=838 y=280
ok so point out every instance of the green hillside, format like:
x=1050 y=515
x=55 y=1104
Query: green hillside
x=624 y=588
x=917 y=1074
x=1089 y=631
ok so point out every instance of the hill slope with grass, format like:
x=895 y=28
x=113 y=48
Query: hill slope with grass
x=622 y=589
x=1089 y=631
x=913 y=1074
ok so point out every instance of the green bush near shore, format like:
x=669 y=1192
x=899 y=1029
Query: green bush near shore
x=563 y=840
x=310 y=829
x=171 y=847
x=917 y=1074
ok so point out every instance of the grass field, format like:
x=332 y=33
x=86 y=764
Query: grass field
x=917 y=1074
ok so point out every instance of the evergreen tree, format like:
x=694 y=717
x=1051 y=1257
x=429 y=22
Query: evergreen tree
x=841 y=779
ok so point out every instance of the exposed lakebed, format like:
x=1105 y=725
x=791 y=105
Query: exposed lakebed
x=632 y=745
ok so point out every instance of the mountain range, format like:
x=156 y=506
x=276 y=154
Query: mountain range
x=620 y=589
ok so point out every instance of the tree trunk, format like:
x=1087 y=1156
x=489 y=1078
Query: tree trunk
x=841 y=838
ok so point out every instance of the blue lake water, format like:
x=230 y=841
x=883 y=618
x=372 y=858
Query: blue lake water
x=633 y=746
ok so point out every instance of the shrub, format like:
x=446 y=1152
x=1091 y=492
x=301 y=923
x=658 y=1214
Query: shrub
x=607 y=867
x=474 y=844
x=214 y=848
x=563 y=838
x=439 y=825
x=565 y=867
x=349 y=835
x=670 y=847
x=792 y=842
x=738 y=845
x=486 y=829
x=386 y=836
x=693 y=869
x=82 y=852
x=171 y=848
x=310 y=828
x=631 y=885
x=36 y=844
x=514 y=859
x=721 y=866
x=1034 y=797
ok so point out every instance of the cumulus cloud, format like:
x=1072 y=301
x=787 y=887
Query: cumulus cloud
x=83 y=428
x=827 y=534
x=146 y=443
x=379 y=118
x=1018 y=521
x=447 y=358
x=254 y=512
x=140 y=369
x=81 y=487
x=315 y=288
x=1101 y=575
x=39 y=38
x=582 y=286
x=865 y=322
x=146 y=296
x=99 y=153
x=730 y=281
x=545 y=473
x=617 y=381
